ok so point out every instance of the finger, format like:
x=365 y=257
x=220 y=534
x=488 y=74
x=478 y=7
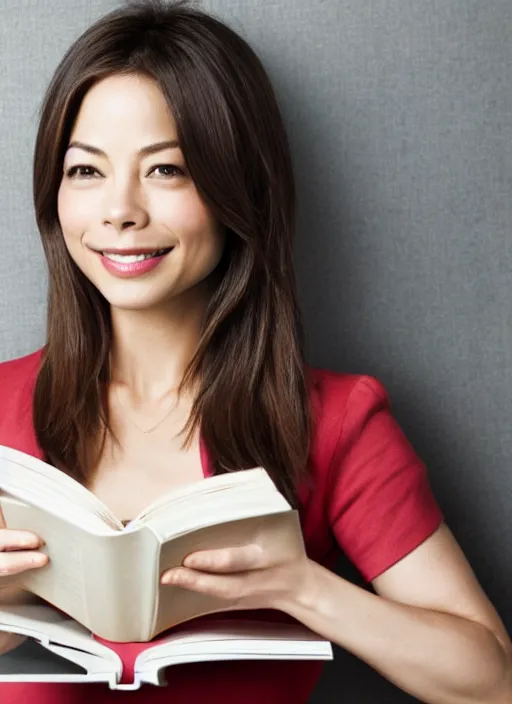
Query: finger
x=19 y=540
x=224 y=561
x=3 y=524
x=228 y=560
x=16 y=562
x=222 y=586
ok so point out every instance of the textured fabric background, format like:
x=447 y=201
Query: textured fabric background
x=400 y=118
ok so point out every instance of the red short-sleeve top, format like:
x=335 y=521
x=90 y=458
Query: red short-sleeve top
x=367 y=496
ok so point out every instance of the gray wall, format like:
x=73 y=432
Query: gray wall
x=399 y=114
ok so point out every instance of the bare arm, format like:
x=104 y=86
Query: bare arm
x=431 y=630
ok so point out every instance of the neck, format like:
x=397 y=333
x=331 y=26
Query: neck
x=151 y=348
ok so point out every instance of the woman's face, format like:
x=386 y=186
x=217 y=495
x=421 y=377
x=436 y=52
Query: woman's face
x=131 y=216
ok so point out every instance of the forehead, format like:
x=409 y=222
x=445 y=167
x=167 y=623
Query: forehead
x=122 y=105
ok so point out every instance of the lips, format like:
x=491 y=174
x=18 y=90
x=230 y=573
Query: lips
x=127 y=263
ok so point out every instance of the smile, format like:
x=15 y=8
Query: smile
x=133 y=262
x=130 y=258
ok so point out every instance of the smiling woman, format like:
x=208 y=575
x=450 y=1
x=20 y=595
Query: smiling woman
x=164 y=196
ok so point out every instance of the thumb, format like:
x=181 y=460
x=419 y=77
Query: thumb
x=3 y=524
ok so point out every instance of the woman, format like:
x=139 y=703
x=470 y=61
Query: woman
x=165 y=200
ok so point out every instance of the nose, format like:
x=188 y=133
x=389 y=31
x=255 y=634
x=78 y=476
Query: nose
x=124 y=208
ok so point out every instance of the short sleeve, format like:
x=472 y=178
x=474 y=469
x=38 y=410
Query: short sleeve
x=380 y=504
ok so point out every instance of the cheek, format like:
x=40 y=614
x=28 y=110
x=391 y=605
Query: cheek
x=204 y=250
x=71 y=215
x=77 y=210
x=201 y=237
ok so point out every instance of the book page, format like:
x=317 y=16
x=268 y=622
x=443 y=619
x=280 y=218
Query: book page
x=233 y=640
x=208 y=509
x=61 y=582
x=49 y=625
x=36 y=482
x=92 y=664
x=249 y=479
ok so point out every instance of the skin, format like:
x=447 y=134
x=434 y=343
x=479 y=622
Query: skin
x=429 y=628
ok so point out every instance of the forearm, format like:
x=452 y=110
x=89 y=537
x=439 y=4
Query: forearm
x=438 y=658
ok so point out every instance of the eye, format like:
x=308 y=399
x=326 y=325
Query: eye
x=81 y=171
x=167 y=170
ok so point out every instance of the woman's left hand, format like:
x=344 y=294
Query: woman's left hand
x=249 y=576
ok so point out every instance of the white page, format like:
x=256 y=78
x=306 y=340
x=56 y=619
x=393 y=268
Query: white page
x=48 y=625
x=36 y=482
x=209 y=640
x=93 y=664
x=214 y=508
x=66 y=512
x=28 y=478
x=73 y=678
x=246 y=479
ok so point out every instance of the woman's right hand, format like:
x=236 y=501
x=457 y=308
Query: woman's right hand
x=19 y=551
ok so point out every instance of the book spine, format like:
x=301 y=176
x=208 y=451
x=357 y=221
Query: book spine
x=119 y=589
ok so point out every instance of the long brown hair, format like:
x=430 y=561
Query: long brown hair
x=252 y=404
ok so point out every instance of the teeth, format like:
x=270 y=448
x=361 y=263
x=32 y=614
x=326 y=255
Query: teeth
x=131 y=258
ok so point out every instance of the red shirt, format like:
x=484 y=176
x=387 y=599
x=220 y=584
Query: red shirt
x=369 y=498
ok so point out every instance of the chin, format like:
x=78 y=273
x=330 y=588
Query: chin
x=146 y=295
x=140 y=303
x=134 y=294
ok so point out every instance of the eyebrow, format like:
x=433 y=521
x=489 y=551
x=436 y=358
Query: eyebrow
x=145 y=151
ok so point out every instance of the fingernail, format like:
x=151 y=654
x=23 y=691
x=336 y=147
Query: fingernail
x=32 y=541
x=29 y=543
x=39 y=559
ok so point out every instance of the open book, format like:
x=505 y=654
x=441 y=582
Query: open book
x=107 y=576
x=127 y=666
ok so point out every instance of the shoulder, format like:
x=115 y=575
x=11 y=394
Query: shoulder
x=335 y=396
x=338 y=386
x=353 y=425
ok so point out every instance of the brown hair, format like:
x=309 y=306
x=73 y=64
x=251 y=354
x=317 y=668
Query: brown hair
x=252 y=404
